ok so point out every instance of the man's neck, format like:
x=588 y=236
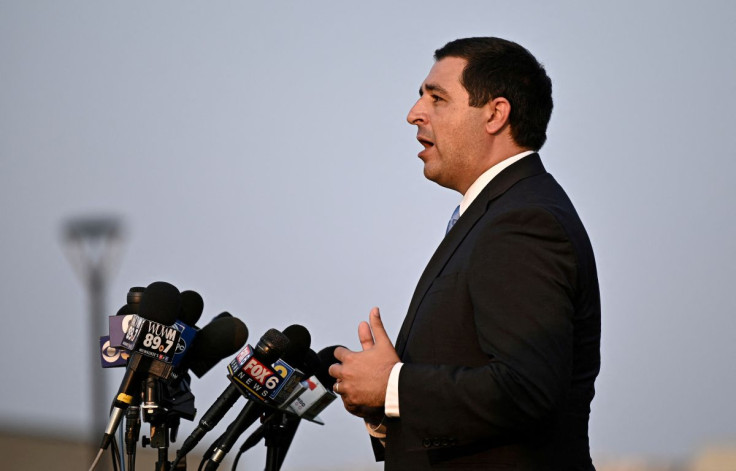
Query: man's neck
x=483 y=179
x=498 y=149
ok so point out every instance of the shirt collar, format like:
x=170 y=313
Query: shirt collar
x=486 y=177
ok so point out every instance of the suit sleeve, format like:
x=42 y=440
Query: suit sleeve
x=520 y=282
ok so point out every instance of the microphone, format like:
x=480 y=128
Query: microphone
x=112 y=353
x=273 y=383
x=245 y=418
x=259 y=373
x=190 y=312
x=280 y=433
x=150 y=339
x=327 y=359
x=271 y=345
x=319 y=393
x=220 y=338
x=120 y=322
x=279 y=427
x=192 y=307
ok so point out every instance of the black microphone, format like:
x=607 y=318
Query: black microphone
x=319 y=393
x=245 y=418
x=190 y=312
x=222 y=337
x=310 y=366
x=219 y=339
x=149 y=336
x=327 y=359
x=192 y=307
x=280 y=426
x=268 y=349
x=272 y=383
x=299 y=340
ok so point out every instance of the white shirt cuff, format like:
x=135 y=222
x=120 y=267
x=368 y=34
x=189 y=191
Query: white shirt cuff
x=378 y=431
x=391 y=407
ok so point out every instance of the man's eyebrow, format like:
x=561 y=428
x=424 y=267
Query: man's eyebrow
x=432 y=87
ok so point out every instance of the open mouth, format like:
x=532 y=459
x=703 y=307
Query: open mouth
x=425 y=142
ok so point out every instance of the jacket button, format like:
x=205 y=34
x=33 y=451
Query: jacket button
x=426 y=443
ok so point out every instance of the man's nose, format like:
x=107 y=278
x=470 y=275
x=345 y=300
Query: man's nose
x=416 y=114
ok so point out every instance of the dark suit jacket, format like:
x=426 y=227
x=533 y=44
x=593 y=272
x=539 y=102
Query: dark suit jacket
x=501 y=344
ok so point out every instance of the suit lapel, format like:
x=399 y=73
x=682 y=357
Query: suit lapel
x=526 y=167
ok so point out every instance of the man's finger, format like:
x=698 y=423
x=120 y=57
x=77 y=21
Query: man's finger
x=377 y=326
x=341 y=353
x=365 y=336
x=335 y=370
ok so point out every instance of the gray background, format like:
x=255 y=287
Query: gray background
x=259 y=155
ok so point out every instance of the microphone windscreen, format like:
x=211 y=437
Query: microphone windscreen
x=311 y=363
x=135 y=294
x=218 y=339
x=192 y=306
x=160 y=303
x=126 y=310
x=271 y=346
x=326 y=358
x=299 y=342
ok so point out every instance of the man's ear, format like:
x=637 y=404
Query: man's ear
x=498 y=116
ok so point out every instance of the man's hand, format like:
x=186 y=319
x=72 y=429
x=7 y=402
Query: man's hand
x=362 y=378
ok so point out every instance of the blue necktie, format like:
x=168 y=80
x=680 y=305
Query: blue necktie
x=453 y=219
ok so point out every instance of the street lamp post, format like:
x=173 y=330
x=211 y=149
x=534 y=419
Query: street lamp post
x=93 y=246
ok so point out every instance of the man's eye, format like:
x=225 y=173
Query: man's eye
x=435 y=98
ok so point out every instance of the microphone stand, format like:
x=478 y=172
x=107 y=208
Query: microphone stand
x=132 y=431
x=178 y=401
x=156 y=416
x=165 y=406
x=279 y=432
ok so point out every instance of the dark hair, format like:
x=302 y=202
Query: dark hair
x=500 y=68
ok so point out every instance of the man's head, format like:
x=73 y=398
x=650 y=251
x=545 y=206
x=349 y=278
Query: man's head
x=500 y=68
x=485 y=99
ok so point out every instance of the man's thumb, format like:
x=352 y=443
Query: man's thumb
x=379 y=332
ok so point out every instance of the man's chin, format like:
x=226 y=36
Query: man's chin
x=432 y=173
x=437 y=178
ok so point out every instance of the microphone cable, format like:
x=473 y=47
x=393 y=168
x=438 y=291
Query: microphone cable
x=249 y=443
x=208 y=454
x=114 y=454
x=132 y=432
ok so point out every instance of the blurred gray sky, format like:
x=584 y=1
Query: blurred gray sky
x=258 y=153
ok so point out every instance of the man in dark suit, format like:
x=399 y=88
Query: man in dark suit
x=495 y=363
